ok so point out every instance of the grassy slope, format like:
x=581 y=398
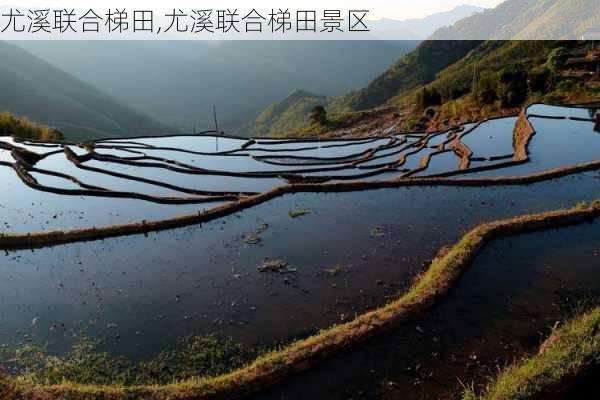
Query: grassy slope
x=490 y=58
x=34 y=88
x=281 y=118
x=570 y=350
x=416 y=68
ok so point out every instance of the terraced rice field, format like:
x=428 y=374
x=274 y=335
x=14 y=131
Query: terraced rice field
x=140 y=242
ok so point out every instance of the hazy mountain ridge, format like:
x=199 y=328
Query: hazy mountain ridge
x=527 y=19
x=36 y=89
x=240 y=78
x=178 y=82
x=422 y=28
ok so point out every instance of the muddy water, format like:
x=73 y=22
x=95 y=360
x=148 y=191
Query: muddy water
x=502 y=309
x=352 y=252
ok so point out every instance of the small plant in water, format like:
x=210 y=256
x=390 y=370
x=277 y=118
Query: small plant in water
x=275 y=266
x=254 y=236
x=334 y=271
x=299 y=212
x=251 y=238
x=377 y=232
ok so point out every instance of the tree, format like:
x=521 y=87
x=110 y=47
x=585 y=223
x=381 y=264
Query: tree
x=513 y=86
x=540 y=80
x=318 y=115
x=486 y=89
x=428 y=97
x=556 y=60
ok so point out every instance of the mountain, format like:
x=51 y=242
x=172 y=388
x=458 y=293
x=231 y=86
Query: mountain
x=287 y=115
x=449 y=64
x=33 y=88
x=138 y=73
x=416 y=68
x=505 y=78
x=527 y=19
x=178 y=82
x=422 y=28
x=495 y=78
x=521 y=19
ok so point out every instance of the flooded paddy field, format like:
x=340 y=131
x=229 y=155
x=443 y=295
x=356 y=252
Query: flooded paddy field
x=501 y=310
x=350 y=252
x=282 y=267
x=563 y=136
x=108 y=182
x=556 y=143
x=25 y=209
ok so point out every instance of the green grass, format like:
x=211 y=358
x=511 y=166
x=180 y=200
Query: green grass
x=569 y=351
x=87 y=364
x=24 y=128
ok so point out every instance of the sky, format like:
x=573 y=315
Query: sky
x=393 y=9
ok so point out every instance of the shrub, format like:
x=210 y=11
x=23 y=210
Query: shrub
x=486 y=89
x=540 y=81
x=428 y=97
x=429 y=113
x=318 y=115
x=556 y=60
x=513 y=86
x=24 y=128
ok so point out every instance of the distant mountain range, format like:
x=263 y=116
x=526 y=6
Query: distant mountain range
x=421 y=28
x=528 y=19
x=33 y=88
x=123 y=88
x=177 y=83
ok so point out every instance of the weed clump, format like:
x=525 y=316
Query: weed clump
x=569 y=351
x=275 y=266
x=87 y=364
x=299 y=212
x=22 y=127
